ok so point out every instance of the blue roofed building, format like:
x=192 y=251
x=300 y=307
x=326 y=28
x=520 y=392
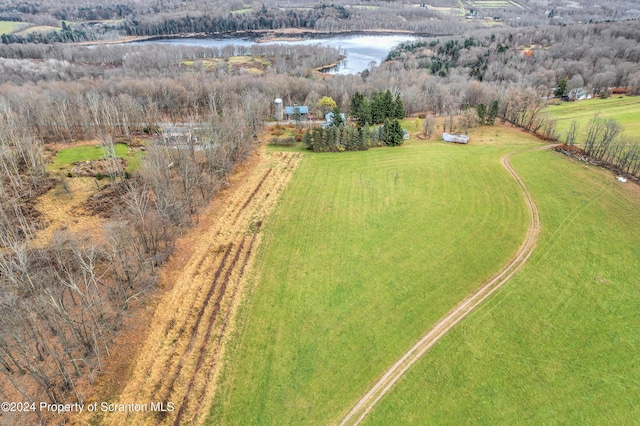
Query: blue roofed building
x=290 y=111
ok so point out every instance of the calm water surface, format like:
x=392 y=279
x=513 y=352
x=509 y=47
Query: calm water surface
x=360 y=50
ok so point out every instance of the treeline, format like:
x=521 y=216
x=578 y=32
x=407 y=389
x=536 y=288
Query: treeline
x=376 y=108
x=32 y=62
x=604 y=141
x=325 y=17
x=65 y=35
x=339 y=137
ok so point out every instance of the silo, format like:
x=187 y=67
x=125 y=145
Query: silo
x=279 y=109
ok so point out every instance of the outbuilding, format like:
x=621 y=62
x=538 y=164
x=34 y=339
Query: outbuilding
x=455 y=137
x=292 y=111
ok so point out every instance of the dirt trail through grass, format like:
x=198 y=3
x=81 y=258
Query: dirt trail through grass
x=181 y=359
x=397 y=370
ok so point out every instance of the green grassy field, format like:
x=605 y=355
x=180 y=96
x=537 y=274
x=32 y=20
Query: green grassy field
x=37 y=29
x=626 y=110
x=7 y=27
x=365 y=251
x=242 y=11
x=557 y=345
x=66 y=156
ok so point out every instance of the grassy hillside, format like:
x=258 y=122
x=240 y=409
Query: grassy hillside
x=558 y=344
x=7 y=27
x=625 y=109
x=364 y=252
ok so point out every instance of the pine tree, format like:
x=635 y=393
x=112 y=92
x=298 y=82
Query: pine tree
x=493 y=112
x=393 y=134
x=399 y=108
x=482 y=112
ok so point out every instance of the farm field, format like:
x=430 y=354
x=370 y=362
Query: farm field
x=558 y=344
x=7 y=27
x=37 y=29
x=625 y=109
x=364 y=252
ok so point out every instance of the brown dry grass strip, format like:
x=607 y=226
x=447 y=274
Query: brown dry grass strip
x=180 y=361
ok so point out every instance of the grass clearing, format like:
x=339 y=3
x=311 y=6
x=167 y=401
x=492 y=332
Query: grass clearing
x=67 y=156
x=7 y=27
x=558 y=344
x=242 y=11
x=365 y=251
x=625 y=109
x=251 y=64
x=37 y=29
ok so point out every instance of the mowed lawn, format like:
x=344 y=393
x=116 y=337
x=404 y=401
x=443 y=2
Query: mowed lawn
x=558 y=344
x=625 y=109
x=365 y=251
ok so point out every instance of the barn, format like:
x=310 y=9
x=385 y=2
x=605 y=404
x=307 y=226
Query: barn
x=291 y=111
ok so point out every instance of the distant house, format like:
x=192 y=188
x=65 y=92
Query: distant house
x=455 y=137
x=576 y=95
x=177 y=136
x=291 y=111
x=329 y=118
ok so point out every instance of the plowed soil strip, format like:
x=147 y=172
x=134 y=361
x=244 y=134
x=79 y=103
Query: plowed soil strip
x=397 y=370
x=181 y=358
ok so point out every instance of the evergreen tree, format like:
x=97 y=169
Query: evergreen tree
x=399 y=108
x=356 y=103
x=337 y=120
x=389 y=106
x=493 y=112
x=393 y=134
x=482 y=113
x=363 y=113
x=562 y=87
x=378 y=110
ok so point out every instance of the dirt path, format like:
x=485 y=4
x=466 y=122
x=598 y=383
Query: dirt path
x=181 y=358
x=397 y=370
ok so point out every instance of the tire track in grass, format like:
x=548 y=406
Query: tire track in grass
x=400 y=367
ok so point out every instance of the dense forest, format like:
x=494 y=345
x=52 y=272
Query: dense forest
x=99 y=20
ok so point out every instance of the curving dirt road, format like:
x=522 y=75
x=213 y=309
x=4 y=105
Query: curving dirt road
x=180 y=362
x=397 y=370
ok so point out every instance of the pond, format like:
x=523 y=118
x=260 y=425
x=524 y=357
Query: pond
x=360 y=50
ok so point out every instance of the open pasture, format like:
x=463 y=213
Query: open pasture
x=37 y=29
x=66 y=156
x=366 y=251
x=7 y=27
x=625 y=109
x=558 y=344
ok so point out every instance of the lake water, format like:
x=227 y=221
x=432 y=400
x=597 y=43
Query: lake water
x=360 y=50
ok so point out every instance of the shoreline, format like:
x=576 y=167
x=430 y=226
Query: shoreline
x=259 y=36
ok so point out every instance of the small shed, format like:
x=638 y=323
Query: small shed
x=455 y=138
